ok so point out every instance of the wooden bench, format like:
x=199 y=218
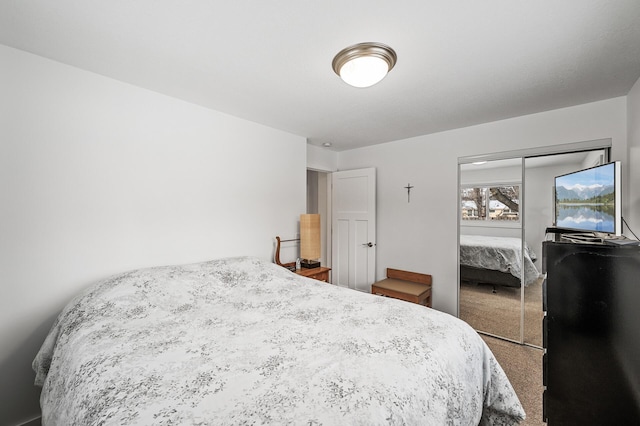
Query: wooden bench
x=405 y=285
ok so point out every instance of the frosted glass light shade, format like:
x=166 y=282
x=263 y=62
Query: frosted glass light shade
x=364 y=64
x=364 y=71
x=310 y=236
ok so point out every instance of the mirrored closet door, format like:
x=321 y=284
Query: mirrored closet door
x=490 y=231
x=505 y=207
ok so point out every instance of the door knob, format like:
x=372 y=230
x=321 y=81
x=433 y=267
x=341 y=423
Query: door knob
x=368 y=244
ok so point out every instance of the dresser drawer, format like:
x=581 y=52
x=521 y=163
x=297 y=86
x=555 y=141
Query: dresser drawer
x=323 y=276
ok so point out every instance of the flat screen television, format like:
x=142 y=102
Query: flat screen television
x=589 y=200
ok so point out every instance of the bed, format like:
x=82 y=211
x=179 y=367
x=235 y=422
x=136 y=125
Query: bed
x=496 y=260
x=244 y=341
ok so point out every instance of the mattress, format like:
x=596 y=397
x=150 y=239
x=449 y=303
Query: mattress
x=503 y=254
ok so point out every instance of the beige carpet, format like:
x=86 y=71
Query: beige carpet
x=499 y=313
x=523 y=366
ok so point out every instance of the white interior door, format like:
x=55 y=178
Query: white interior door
x=354 y=228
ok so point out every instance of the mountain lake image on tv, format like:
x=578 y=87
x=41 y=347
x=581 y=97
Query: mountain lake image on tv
x=589 y=200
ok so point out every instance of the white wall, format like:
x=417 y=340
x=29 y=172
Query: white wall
x=539 y=198
x=99 y=177
x=511 y=174
x=321 y=159
x=421 y=236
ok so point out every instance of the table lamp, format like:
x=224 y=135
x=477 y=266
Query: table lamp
x=310 y=240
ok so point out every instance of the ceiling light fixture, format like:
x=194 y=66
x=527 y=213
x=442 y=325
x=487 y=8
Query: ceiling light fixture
x=364 y=64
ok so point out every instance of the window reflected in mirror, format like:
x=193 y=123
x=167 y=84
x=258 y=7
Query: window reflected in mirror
x=492 y=203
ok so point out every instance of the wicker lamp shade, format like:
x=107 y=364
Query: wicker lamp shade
x=310 y=236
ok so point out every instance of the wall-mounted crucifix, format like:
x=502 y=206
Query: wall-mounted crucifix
x=408 y=188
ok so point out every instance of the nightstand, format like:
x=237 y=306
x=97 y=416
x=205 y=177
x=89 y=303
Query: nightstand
x=320 y=274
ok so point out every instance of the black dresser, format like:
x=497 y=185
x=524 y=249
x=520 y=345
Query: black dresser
x=588 y=313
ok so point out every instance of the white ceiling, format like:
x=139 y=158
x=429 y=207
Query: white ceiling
x=460 y=62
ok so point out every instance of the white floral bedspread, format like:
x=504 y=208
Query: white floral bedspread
x=498 y=253
x=242 y=341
